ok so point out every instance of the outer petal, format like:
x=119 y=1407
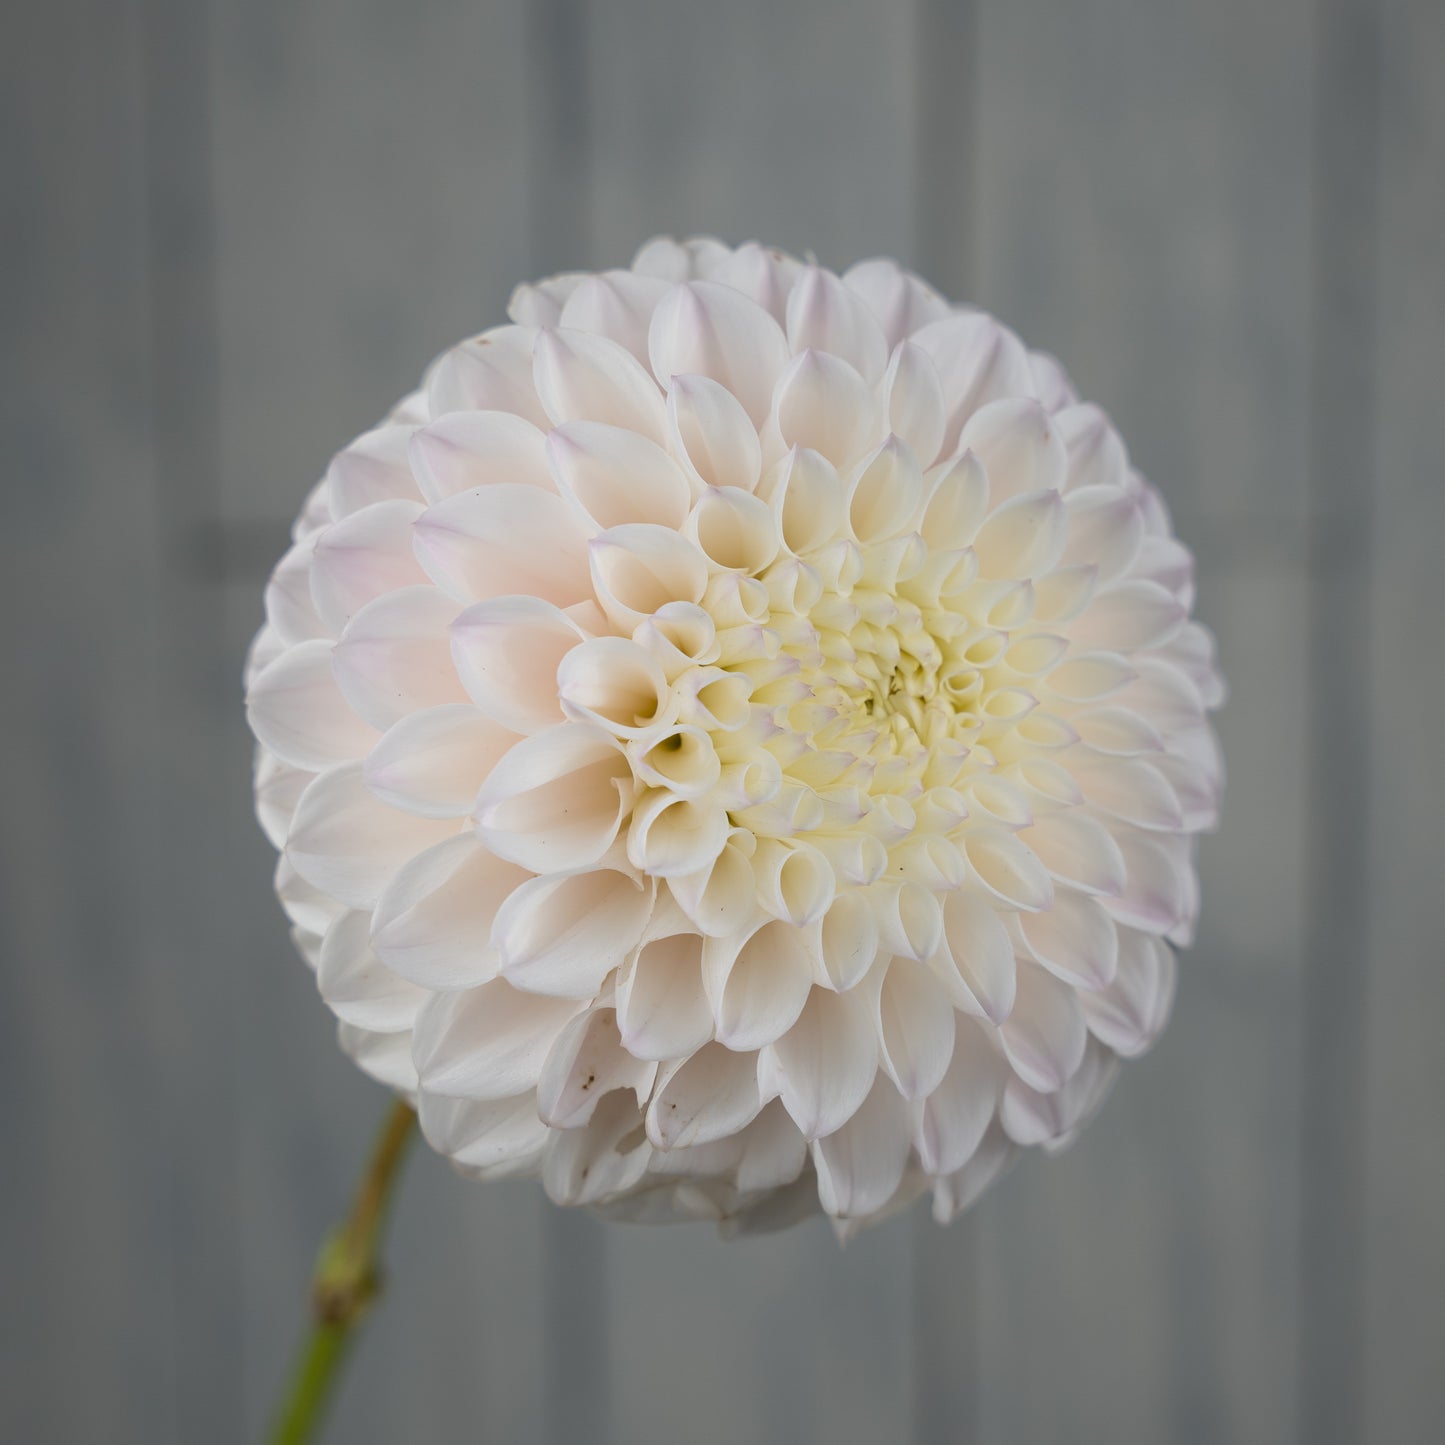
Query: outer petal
x=297 y=710
x=489 y=1042
x=824 y=1066
x=565 y=935
x=433 y=762
x=348 y=843
x=470 y=449
x=504 y=539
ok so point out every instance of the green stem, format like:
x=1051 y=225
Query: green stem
x=344 y=1284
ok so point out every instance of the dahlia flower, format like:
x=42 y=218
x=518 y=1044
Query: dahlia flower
x=735 y=739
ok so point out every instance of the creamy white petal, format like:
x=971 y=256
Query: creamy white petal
x=977 y=361
x=710 y=330
x=952 y=1120
x=1075 y=940
x=565 y=935
x=581 y=377
x=822 y=403
x=976 y=962
x=1043 y=1038
x=712 y=433
x=494 y=1139
x=825 y=315
x=587 y=1062
x=506 y=538
x=296 y=708
x=433 y=762
x=493 y=372
x=757 y=985
x=1130 y=1014
x=711 y=1095
x=616 y=304
x=468 y=449
x=1019 y=447
x=363 y=556
x=637 y=569
x=916 y=410
x=395 y=656
x=861 y=1165
x=348 y=843
x=662 y=1008
x=915 y=1027
x=433 y=923
x=507 y=652
x=373 y=468
x=902 y=303
x=555 y=801
x=824 y=1065
x=489 y=1042
x=359 y=988
x=614 y=475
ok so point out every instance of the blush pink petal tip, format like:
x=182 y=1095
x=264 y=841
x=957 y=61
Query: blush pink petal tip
x=736 y=737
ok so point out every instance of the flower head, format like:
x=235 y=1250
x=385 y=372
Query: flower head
x=735 y=739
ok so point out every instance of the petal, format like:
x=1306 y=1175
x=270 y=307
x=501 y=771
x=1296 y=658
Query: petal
x=823 y=403
x=490 y=1042
x=1078 y=850
x=587 y=1062
x=977 y=361
x=709 y=1096
x=615 y=304
x=720 y=900
x=581 y=377
x=540 y=303
x=492 y=372
x=825 y=315
x=886 y=498
x=605 y=1158
x=433 y=762
x=1131 y=790
x=395 y=657
x=916 y=412
x=555 y=801
x=1022 y=538
x=824 y=1065
x=762 y=273
x=565 y=935
x=469 y=449
x=672 y=836
x=298 y=711
x=1008 y=868
x=507 y=652
x=1129 y=617
x=757 y=989
x=615 y=684
x=712 y=433
x=494 y=1139
x=505 y=538
x=615 y=475
x=1131 y=1013
x=357 y=986
x=901 y=302
x=373 y=468
x=290 y=611
x=957 y=504
x=637 y=569
x=434 y=921
x=1095 y=452
x=960 y=1189
x=915 y=1027
x=361 y=557
x=1105 y=529
x=662 y=1008
x=1155 y=895
x=954 y=1118
x=977 y=965
x=383 y=1057
x=1019 y=447
x=809 y=499
x=848 y=941
x=861 y=1165
x=711 y=330
x=1074 y=939
x=348 y=843
x=1043 y=1038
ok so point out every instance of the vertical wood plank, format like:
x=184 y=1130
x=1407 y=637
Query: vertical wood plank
x=793 y=125
x=1343 y=380
x=1144 y=208
x=88 y=1020
x=1404 y=1194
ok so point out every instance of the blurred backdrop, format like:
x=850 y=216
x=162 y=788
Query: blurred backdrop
x=235 y=232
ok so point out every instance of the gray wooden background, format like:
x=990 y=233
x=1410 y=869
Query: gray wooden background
x=234 y=231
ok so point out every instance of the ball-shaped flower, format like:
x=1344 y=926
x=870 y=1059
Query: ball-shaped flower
x=735 y=739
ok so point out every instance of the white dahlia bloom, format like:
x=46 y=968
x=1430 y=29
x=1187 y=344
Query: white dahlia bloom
x=735 y=739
